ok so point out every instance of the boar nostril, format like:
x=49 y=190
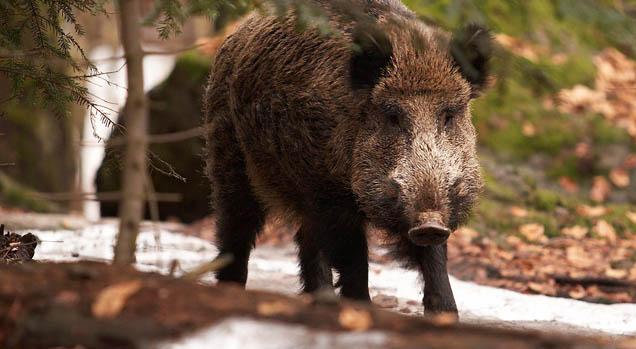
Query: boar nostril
x=429 y=233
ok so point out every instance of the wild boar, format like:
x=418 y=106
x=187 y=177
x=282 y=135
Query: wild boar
x=370 y=125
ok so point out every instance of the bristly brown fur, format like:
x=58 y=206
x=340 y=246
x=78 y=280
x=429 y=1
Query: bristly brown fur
x=368 y=126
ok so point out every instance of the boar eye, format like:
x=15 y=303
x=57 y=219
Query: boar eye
x=448 y=115
x=395 y=115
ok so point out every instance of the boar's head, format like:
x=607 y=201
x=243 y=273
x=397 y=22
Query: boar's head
x=415 y=171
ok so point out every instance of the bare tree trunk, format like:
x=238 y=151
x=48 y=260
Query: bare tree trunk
x=131 y=206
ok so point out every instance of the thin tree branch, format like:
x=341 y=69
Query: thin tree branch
x=86 y=76
x=161 y=138
x=104 y=196
x=174 y=51
x=156 y=53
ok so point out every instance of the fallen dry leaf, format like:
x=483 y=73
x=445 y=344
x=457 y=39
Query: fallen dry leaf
x=519 y=47
x=548 y=269
x=514 y=241
x=533 y=232
x=112 y=299
x=616 y=273
x=466 y=234
x=619 y=177
x=605 y=230
x=612 y=96
x=575 y=232
x=594 y=291
x=275 y=308
x=384 y=301
x=578 y=98
x=631 y=216
x=621 y=255
x=568 y=184
x=355 y=319
x=577 y=292
x=600 y=189
x=518 y=212
x=501 y=262
x=623 y=297
x=591 y=211
x=528 y=129
x=536 y=287
x=507 y=256
x=578 y=257
x=630 y=162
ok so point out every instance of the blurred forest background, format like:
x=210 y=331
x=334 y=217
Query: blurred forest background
x=557 y=135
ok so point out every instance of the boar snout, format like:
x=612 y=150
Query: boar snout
x=427 y=234
x=430 y=231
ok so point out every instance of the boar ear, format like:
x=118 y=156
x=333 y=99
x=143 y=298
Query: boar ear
x=471 y=49
x=372 y=51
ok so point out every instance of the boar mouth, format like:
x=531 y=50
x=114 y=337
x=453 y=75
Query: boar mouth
x=428 y=234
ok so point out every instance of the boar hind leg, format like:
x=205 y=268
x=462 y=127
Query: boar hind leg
x=239 y=215
x=315 y=272
x=438 y=295
x=239 y=220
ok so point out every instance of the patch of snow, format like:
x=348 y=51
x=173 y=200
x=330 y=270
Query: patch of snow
x=156 y=247
x=110 y=89
x=478 y=304
x=276 y=269
x=244 y=333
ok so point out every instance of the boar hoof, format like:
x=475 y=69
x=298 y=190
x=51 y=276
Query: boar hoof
x=427 y=234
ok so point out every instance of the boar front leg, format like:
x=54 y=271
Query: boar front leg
x=438 y=295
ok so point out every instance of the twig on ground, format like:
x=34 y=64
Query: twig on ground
x=216 y=264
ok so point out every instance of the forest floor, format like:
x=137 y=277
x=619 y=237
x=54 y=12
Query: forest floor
x=597 y=269
x=167 y=248
x=96 y=305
